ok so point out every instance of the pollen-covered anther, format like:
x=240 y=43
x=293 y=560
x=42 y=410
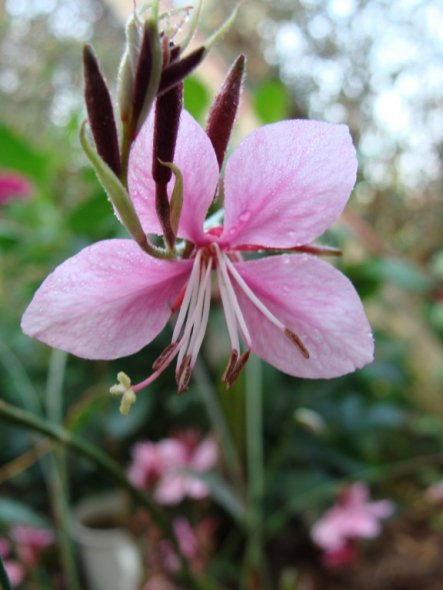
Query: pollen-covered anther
x=124 y=389
x=298 y=343
x=164 y=357
x=230 y=366
x=237 y=369
x=184 y=373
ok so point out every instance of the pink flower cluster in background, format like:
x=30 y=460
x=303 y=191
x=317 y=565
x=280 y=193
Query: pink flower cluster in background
x=162 y=466
x=28 y=545
x=196 y=541
x=13 y=186
x=353 y=517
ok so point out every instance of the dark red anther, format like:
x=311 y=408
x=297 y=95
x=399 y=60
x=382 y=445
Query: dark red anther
x=100 y=112
x=142 y=75
x=233 y=375
x=178 y=70
x=184 y=373
x=223 y=111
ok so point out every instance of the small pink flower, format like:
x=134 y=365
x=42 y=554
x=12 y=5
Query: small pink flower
x=354 y=517
x=30 y=542
x=14 y=569
x=162 y=466
x=283 y=187
x=13 y=186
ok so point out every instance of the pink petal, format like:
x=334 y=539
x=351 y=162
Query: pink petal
x=316 y=302
x=381 y=509
x=205 y=455
x=15 y=571
x=287 y=182
x=171 y=489
x=196 y=488
x=356 y=495
x=195 y=157
x=328 y=532
x=107 y=301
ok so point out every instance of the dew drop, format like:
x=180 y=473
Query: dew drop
x=245 y=216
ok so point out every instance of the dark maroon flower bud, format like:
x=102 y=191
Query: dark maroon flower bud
x=100 y=112
x=142 y=74
x=178 y=70
x=167 y=116
x=224 y=109
x=175 y=53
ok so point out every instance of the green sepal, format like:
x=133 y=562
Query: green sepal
x=192 y=25
x=224 y=28
x=176 y=202
x=119 y=198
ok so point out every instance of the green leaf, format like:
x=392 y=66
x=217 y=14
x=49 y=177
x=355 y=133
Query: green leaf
x=14 y=512
x=196 y=97
x=222 y=493
x=271 y=101
x=92 y=217
x=17 y=154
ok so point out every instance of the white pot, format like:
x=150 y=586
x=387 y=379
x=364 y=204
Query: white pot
x=110 y=557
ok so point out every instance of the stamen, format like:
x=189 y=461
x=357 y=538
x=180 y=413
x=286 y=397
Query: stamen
x=296 y=340
x=229 y=313
x=164 y=356
x=234 y=374
x=230 y=366
x=265 y=311
x=198 y=334
x=186 y=299
x=184 y=374
x=222 y=259
x=194 y=315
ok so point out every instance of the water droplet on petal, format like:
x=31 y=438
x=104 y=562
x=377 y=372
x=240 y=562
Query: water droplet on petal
x=245 y=216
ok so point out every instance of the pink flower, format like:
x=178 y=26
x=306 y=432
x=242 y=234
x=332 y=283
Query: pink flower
x=15 y=571
x=13 y=186
x=283 y=187
x=30 y=542
x=162 y=466
x=354 y=517
x=195 y=544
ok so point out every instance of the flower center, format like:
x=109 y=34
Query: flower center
x=192 y=320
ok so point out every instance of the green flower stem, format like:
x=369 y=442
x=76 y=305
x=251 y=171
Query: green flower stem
x=256 y=480
x=210 y=400
x=77 y=445
x=58 y=479
x=5 y=584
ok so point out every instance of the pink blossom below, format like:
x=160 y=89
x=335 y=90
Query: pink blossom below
x=14 y=569
x=13 y=186
x=283 y=187
x=161 y=466
x=354 y=517
x=30 y=542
